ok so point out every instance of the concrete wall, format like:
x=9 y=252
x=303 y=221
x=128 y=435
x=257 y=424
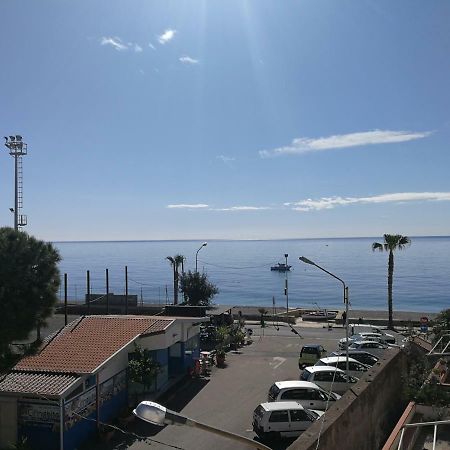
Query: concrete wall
x=8 y=421
x=364 y=417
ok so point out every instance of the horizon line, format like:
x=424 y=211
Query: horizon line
x=234 y=240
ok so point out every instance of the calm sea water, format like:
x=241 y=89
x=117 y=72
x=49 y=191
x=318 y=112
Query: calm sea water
x=241 y=271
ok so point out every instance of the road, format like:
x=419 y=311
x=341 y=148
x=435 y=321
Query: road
x=228 y=398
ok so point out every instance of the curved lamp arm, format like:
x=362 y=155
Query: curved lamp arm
x=157 y=414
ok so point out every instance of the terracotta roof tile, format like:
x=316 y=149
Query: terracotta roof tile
x=86 y=343
x=36 y=383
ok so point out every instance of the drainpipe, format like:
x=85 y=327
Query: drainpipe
x=61 y=424
x=97 y=402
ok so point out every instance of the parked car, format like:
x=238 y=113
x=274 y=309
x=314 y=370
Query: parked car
x=355 y=368
x=328 y=378
x=366 y=345
x=362 y=328
x=359 y=355
x=366 y=337
x=282 y=419
x=309 y=395
x=309 y=354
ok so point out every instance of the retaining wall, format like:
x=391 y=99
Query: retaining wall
x=365 y=415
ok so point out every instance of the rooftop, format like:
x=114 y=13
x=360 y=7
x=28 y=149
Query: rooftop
x=36 y=383
x=86 y=343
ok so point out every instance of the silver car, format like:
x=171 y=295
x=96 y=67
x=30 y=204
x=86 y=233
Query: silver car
x=309 y=395
x=355 y=368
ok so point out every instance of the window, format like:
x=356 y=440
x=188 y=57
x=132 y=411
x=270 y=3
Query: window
x=305 y=375
x=279 y=416
x=274 y=391
x=295 y=394
x=299 y=415
x=323 y=376
x=314 y=394
x=340 y=378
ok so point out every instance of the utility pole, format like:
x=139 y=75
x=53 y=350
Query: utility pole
x=286 y=290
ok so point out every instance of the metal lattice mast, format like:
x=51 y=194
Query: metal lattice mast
x=17 y=148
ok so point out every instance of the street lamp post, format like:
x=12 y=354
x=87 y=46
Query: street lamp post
x=196 y=255
x=308 y=261
x=157 y=414
x=286 y=291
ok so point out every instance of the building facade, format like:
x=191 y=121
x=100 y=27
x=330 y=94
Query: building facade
x=78 y=380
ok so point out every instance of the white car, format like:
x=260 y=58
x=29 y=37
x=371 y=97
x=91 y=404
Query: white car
x=355 y=368
x=367 y=345
x=328 y=378
x=360 y=355
x=276 y=420
x=383 y=338
x=309 y=395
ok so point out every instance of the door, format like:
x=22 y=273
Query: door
x=278 y=422
x=299 y=422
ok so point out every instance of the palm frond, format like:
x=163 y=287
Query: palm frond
x=377 y=246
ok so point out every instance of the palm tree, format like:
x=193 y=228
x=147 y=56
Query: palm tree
x=391 y=243
x=175 y=262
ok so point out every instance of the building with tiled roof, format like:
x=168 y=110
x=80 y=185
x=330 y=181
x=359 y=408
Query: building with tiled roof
x=80 y=373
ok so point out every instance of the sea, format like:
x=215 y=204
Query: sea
x=241 y=269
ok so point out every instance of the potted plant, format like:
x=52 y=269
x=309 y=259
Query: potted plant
x=220 y=357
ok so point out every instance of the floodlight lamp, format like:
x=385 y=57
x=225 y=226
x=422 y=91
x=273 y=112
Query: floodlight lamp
x=204 y=244
x=306 y=260
x=12 y=138
x=18 y=138
x=151 y=412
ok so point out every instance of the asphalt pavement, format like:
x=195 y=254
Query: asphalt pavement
x=227 y=398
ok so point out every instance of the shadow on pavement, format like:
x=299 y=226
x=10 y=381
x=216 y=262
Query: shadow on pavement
x=176 y=398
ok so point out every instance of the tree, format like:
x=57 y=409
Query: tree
x=175 y=262
x=197 y=289
x=441 y=324
x=392 y=242
x=29 y=282
x=142 y=368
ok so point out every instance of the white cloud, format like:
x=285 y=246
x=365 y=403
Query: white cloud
x=187 y=206
x=119 y=45
x=401 y=197
x=167 y=36
x=151 y=46
x=226 y=159
x=304 y=145
x=242 y=208
x=114 y=42
x=188 y=60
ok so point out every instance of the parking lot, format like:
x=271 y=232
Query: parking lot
x=227 y=399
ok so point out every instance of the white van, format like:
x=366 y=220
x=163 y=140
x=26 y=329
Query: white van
x=309 y=395
x=282 y=419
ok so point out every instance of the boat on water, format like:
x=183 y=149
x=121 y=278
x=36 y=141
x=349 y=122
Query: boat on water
x=319 y=315
x=281 y=267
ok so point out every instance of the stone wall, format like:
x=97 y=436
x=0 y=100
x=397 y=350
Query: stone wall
x=366 y=414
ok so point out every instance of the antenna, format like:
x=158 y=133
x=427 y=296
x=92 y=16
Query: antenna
x=17 y=148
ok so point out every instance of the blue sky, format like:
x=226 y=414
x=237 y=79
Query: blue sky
x=158 y=119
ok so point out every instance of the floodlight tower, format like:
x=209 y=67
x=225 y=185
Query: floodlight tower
x=17 y=148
